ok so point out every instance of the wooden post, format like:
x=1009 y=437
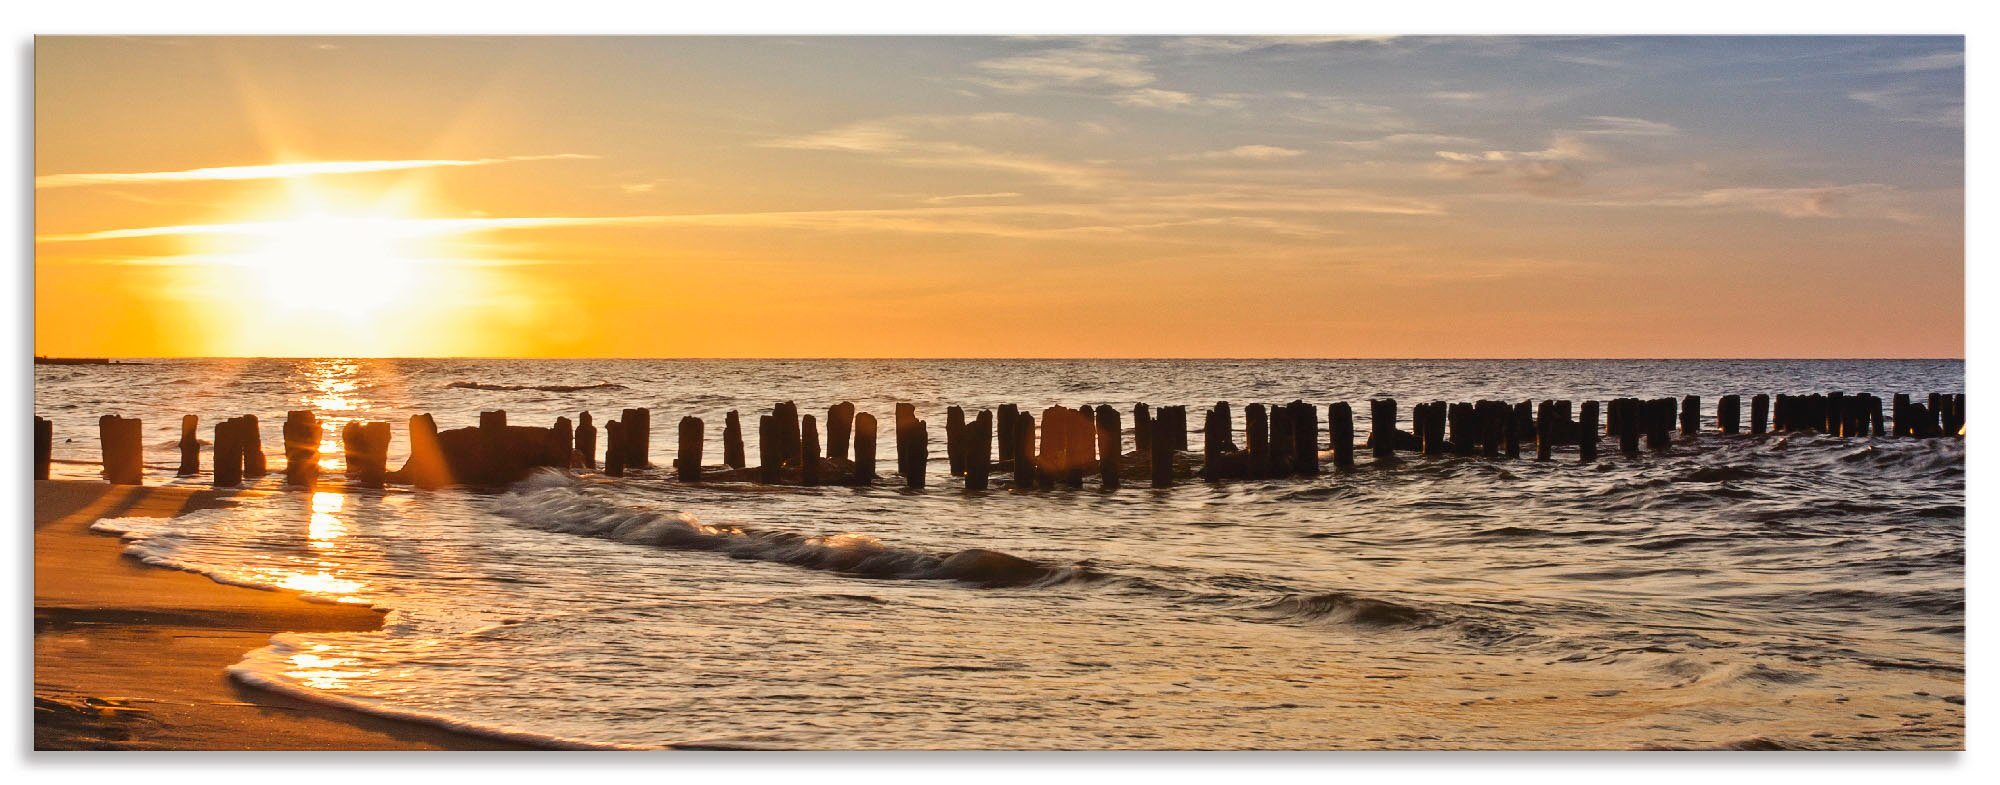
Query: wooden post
x=376 y=436
x=1214 y=431
x=1660 y=418
x=562 y=439
x=190 y=445
x=1024 y=451
x=1170 y=428
x=1729 y=414
x=1305 y=434
x=1142 y=427
x=614 y=449
x=302 y=439
x=1875 y=415
x=1461 y=422
x=1627 y=417
x=1382 y=428
x=769 y=456
x=228 y=459
x=1760 y=413
x=1493 y=419
x=864 y=448
x=1082 y=445
x=688 y=463
x=1511 y=437
x=1586 y=432
x=353 y=449
x=1005 y=426
x=1109 y=450
x=1284 y=441
x=1340 y=430
x=1545 y=431
x=45 y=442
x=1050 y=462
x=808 y=451
x=912 y=447
x=1257 y=440
x=426 y=468
x=586 y=440
x=839 y=427
x=119 y=439
x=637 y=437
x=732 y=440
x=1690 y=416
x=978 y=451
x=954 y=439
x=1435 y=416
x=1162 y=455
x=1899 y=411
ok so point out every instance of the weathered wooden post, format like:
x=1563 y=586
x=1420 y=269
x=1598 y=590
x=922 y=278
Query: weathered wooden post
x=614 y=449
x=732 y=440
x=1004 y=425
x=1050 y=462
x=1435 y=416
x=1690 y=416
x=978 y=452
x=954 y=439
x=124 y=456
x=377 y=435
x=768 y=454
x=562 y=438
x=1213 y=432
x=912 y=445
x=1024 y=451
x=228 y=447
x=1729 y=414
x=1586 y=432
x=254 y=464
x=1760 y=413
x=426 y=468
x=190 y=445
x=839 y=427
x=1257 y=440
x=808 y=451
x=364 y=467
x=1875 y=415
x=1082 y=445
x=45 y=443
x=1628 y=416
x=302 y=439
x=1660 y=418
x=1179 y=430
x=1382 y=428
x=1305 y=434
x=586 y=440
x=1340 y=431
x=1142 y=427
x=688 y=463
x=1284 y=441
x=1545 y=430
x=1462 y=422
x=1162 y=454
x=637 y=437
x=1110 y=433
x=864 y=448
x=1900 y=415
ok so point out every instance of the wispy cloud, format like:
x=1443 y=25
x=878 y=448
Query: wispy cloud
x=1906 y=104
x=1087 y=67
x=1248 y=152
x=1604 y=125
x=281 y=171
x=914 y=140
x=1935 y=61
x=1557 y=166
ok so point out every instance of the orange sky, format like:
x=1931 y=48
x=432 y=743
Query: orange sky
x=976 y=197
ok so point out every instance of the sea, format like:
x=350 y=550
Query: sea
x=1790 y=591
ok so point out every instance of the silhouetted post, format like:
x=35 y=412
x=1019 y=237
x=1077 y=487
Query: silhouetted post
x=1305 y=436
x=1899 y=412
x=254 y=464
x=119 y=439
x=614 y=449
x=1082 y=446
x=912 y=445
x=1382 y=428
x=768 y=453
x=1760 y=413
x=1952 y=419
x=864 y=448
x=426 y=468
x=954 y=439
x=562 y=436
x=1462 y=423
x=809 y=451
x=1162 y=456
x=1024 y=451
x=1213 y=432
x=1340 y=431
x=228 y=446
x=1660 y=418
x=1875 y=415
x=732 y=440
x=839 y=427
x=1492 y=419
x=1142 y=427
x=1586 y=432
x=1627 y=417
x=366 y=446
x=1050 y=462
x=1170 y=428
x=302 y=438
x=1690 y=416
x=1284 y=441
x=1435 y=414
x=978 y=451
x=1729 y=414
x=1511 y=436
x=190 y=445
x=586 y=440
x=637 y=437
x=1109 y=435
x=1005 y=429
x=377 y=435
x=1257 y=440
x=1545 y=431
x=45 y=443
x=688 y=463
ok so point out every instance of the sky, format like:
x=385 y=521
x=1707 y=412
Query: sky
x=1000 y=197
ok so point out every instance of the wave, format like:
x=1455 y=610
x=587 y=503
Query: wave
x=552 y=501
x=560 y=388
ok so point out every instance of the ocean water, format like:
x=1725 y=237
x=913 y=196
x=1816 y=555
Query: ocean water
x=1778 y=592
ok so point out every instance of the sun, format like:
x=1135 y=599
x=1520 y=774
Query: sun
x=318 y=258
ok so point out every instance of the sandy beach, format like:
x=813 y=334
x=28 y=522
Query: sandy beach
x=132 y=657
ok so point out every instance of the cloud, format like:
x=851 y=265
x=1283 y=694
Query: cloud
x=280 y=171
x=1604 y=125
x=1406 y=139
x=1087 y=67
x=949 y=198
x=1456 y=96
x=1910 y=105
x=1861 y=200
x=912 y=140
x=1936 y=61
x=1248 y=152
x=1560 y=165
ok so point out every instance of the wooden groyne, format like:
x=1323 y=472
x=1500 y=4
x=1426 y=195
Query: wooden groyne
x=1059 y=449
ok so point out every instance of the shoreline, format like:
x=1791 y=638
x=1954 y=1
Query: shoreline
x=130 y=656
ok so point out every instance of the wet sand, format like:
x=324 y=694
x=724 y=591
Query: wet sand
x=133 y=657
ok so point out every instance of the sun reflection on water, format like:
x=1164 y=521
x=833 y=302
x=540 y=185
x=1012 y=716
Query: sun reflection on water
x=323 y=672
x=325 y=526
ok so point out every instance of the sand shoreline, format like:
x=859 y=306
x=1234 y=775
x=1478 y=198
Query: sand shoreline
x=129 y=656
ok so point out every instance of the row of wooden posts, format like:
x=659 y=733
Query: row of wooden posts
x=1070 y=444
